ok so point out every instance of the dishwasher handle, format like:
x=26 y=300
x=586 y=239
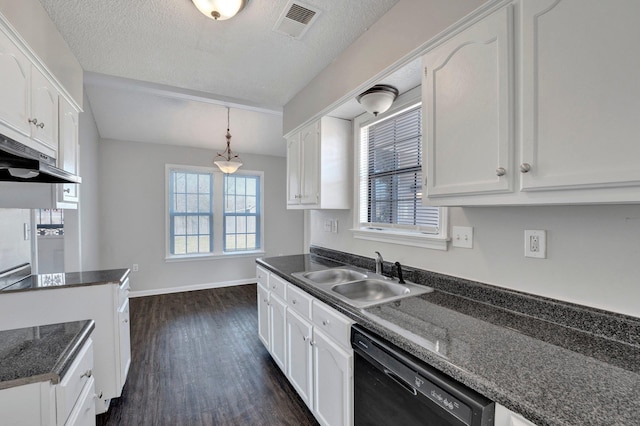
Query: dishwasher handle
x=402 y=382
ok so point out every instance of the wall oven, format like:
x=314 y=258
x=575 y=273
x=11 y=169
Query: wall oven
x=391 y=387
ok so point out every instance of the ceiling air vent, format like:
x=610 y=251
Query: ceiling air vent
x=296 y=19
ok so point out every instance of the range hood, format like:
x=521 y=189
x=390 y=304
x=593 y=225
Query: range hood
x=20 y=163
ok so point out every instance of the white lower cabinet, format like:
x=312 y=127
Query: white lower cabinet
x=277 y=330
x=107 y=304
x=332 y=381
x=318 y=359
x=506 y=417
x=70 y=402
x=300 y=355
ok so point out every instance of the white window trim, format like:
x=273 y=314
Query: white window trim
x=393 y=234
x=218 y=216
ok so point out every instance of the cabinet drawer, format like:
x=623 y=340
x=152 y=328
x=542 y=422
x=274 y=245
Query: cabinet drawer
x=262 y=276
x=299 y=301
x=69 y=389
x=84 y=413
x=332 y=323
x=278 y=286
x=123 y=292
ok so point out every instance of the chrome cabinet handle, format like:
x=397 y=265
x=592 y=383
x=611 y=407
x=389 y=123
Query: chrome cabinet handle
x=525 y=168
x=501 y=171
x=305 y=338
x=87 y=373
x=293 y=301
x=312 y=343
x=41 y=125
x=33 y=121
x=99 y=395
x=325 y=322
x=68 y=190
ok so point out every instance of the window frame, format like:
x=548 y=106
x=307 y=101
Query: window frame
x=259 y=212
x=393 y=233
x=218 y=215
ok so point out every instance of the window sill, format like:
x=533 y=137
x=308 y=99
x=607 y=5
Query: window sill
x=402 y=237
x=213 y=256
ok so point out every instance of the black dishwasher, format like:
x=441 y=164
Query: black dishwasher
x=391 y=387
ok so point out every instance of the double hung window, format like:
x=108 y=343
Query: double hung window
x=211 y=214
x=391 y=182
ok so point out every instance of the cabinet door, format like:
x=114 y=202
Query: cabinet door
x=15 y=70
x=44 y=109
x=581 y=93
x=263 y=316
x=277 y=328
x=68 y=155
x=468 y=110
x=333 y=382
x=125 y=342
x=294 y=185
x=300 y=356
x=310 y=169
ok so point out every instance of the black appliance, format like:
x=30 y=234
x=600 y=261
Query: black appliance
x=392 y=387
x=20 y=163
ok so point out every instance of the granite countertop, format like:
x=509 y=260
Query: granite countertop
x=67 y=279
x=552 y=373
x=41 y=353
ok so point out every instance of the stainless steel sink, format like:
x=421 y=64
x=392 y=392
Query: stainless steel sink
x=334 y=276
x=360 y=289
x=370 y=290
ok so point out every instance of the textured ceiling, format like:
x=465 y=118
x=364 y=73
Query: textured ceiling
x=171 y=43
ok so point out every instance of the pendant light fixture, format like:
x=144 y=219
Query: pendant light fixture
x=220 y=10
x=229 y=162
x=378 y=99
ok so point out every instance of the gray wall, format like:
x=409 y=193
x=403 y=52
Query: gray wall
x=89 y=208
x=132 y=223
x=593 y=252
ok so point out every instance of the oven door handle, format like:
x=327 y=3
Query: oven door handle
x=402 y=382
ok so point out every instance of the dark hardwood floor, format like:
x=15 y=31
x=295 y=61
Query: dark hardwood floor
x=197 y=360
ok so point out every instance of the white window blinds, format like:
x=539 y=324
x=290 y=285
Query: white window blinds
x=391 y=175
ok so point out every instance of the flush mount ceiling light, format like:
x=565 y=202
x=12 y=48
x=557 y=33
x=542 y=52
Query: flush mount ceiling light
x=220 y=10
x=229 y=163
x=378 y=99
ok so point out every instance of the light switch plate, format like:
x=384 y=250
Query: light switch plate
x=328 y=224
x=462 y=236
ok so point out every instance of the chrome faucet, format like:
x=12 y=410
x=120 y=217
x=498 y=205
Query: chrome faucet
x=379 y=261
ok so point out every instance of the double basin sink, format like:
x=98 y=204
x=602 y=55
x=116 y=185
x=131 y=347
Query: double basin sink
x=360 y=289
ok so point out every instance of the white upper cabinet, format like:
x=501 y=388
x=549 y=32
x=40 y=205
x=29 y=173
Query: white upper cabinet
x=580 y=93
x=44 y=112
x=468 y=110
x=69 y=156
x=15 y=70
x=317 y=165
x=535 y=103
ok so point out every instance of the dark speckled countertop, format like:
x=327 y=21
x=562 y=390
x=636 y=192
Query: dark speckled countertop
x=41 y=353
x=553 y=362
x=42 y=281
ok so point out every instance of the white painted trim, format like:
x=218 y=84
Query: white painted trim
x=415 y=239
x=158 y=291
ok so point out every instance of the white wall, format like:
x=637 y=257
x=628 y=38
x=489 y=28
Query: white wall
x=132 y=224
x=593 y=252
x=402 y=31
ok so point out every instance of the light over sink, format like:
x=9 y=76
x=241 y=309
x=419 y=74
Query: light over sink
x=360 y=289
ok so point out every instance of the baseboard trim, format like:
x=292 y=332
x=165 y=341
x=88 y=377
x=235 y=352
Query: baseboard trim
x=180 y=289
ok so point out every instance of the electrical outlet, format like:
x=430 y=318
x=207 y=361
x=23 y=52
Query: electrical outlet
x=462 y=236
x=334 y=226
x=535 y=244
x=135 y=267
